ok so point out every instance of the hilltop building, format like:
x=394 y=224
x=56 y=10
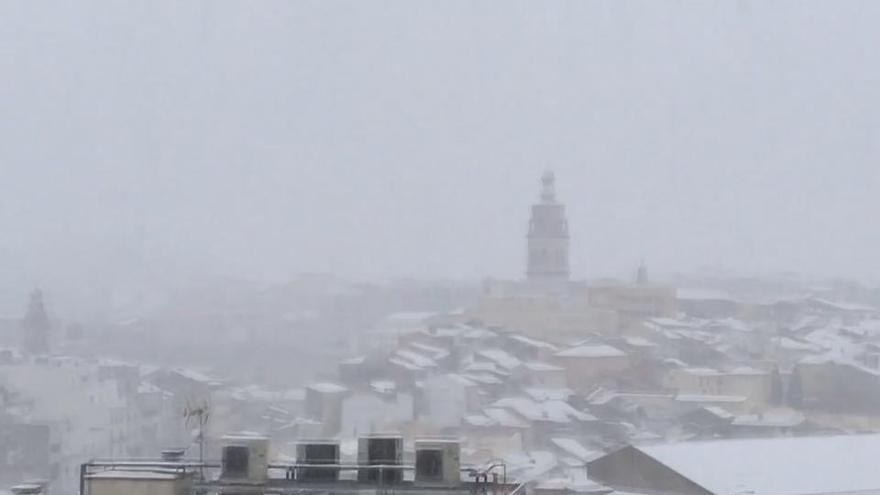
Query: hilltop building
x=548 y=304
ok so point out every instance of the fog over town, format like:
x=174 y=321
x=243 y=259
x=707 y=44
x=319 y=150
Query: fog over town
x=557 y=248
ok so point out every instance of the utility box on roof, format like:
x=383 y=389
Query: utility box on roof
x=438 y=462
x=385 y=452
x=245 y=457
x=312 y=452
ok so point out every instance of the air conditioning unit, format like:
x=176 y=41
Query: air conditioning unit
x=438 y=462
x=317 y=452
x=380 y=450
x=245 y=457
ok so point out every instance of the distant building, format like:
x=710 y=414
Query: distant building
x=323 y=402
x=742 y=387
x=547 y=304
x=707 y=303
x=835 y=384
x=642 y=274
x=545 y=317
x=35 y=326
x=635 y=301
x=589 y=365
x=548 y=237
x=62 y=411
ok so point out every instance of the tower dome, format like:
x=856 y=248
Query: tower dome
x=548 y=187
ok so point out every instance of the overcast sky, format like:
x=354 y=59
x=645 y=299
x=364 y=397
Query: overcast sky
x=375 y=139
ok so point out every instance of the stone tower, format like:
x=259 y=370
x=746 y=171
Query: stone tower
x=35 y=326
x=642 y=274
x=548 y=236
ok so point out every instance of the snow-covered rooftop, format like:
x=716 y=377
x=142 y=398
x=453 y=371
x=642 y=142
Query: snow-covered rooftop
x=527 y=467
x=709 y=398
x=733 y=324
x=796 y=345
x=778 y=466
x=678 y=363
x=573 y=447
x=411 y=316
x=541 y=366
x=662 y=322
x=404 y=364
x=574 y=483
x=460 y=379
x=383 y=386
x=501 y=358
x=719 y=411
x=592 y=351
x=702 y=371
x=194 y=375
x=639 y=342
x=840 y=360
x=843 y=306
x=771 y=419
x=479 y=420
x=327 y=387
x=538 y=344
x=746 y=370
x=354 y=360
x=555 y=411
x=698 y=294
x=416 y=358
x=479 y=334
x=547 y=393
x=447 y=331
x=434 y=352
x=486 y=367
x=483 y=378
x=148 y=388
x=503 y=417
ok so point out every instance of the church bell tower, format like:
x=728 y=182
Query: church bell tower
x=35 y=326
x=548 y=236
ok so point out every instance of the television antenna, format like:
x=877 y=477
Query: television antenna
x=197 y=415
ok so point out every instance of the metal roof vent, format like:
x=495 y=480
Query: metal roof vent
x=173 y=455
x=27 y=489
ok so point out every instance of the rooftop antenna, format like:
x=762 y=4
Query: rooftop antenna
x=198 y=415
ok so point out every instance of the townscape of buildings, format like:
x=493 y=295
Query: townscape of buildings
x=599 y=387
